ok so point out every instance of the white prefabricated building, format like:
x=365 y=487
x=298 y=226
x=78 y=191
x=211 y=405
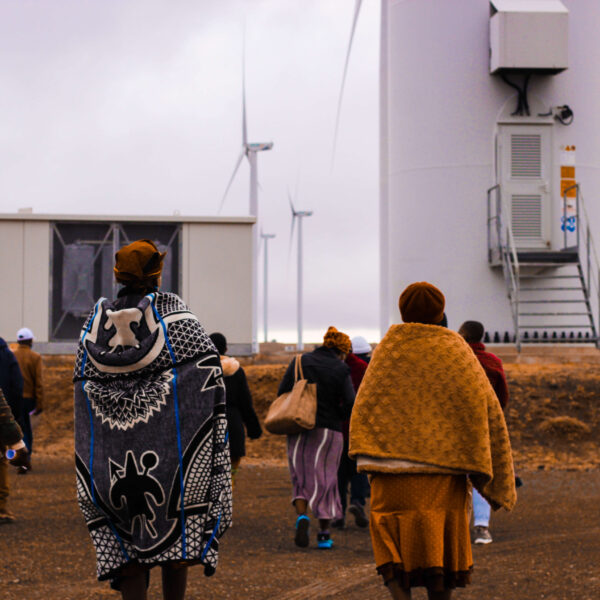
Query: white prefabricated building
x=54 y=267
x=490 y=162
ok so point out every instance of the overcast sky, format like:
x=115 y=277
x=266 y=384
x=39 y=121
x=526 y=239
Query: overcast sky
x=134 y=107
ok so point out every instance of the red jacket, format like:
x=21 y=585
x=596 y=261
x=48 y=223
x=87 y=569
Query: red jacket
x=358 y=368
x=492 y=366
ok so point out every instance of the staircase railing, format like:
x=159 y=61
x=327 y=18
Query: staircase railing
x=502 y=244
x=579 y=223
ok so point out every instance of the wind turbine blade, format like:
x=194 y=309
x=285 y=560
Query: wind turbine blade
x=291 y=206
x=235 y=170
x=357 y=5
x=291 y=238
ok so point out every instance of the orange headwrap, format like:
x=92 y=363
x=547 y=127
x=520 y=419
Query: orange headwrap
x=138 y=262
x=336 y=339
x=422 y=303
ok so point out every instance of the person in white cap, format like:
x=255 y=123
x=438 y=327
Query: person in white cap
x=361 y=348
x=33 y=385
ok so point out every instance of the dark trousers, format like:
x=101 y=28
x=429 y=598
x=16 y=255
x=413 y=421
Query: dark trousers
x=25 y=422
x=359 y=482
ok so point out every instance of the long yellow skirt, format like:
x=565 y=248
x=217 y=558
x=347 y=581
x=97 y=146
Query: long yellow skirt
x=420 y=529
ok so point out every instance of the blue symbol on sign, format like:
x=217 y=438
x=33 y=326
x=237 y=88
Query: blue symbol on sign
x=571 y=224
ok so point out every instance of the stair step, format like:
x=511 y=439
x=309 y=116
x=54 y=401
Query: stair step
x=551 y=301
x=554 y=314
x=548 y=289
x=547 y=265
x=549 y=277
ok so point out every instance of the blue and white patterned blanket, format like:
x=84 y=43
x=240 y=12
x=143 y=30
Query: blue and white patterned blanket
x=152 y=459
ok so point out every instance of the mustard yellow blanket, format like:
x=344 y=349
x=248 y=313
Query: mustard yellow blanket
x=426 y=399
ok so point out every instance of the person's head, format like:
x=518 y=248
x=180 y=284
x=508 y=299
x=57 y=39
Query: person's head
x=139 y=266
x=339 y=342
x=422 y=302
x=220 y=342
x=472 y=331
x=25 y=336
x=360 y=346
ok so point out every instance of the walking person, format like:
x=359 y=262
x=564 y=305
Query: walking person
x=473 y=332
x=425 y=418
x=151 y=453
x=314 y=455
x=11 y=438
x=32 y=370
x=347 y=474
x=240 y=409
x=361 y=348
x=11 y=387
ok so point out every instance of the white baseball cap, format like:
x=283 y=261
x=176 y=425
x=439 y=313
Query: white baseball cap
x=24 y=334
x=360 y=345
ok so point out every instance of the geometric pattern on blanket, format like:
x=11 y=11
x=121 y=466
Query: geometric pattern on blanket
x=124 y=402
x=208 y=506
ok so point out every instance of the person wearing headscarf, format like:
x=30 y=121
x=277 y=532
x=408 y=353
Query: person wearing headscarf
x=240 y=409
x=314 y=455
x=426 y=421
x=151 y=451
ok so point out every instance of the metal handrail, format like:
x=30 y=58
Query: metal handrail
x=507 y=251
x=592 y=277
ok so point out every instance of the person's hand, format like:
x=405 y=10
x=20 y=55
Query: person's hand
x=21 y=459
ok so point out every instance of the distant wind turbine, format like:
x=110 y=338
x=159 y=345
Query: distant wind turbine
x=357 y=5
x=266 y=237
x=250 y=150
x=299 y=214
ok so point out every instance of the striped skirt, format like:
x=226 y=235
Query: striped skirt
x=314 y=457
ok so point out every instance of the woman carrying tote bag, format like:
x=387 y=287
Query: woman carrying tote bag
x=314 y=455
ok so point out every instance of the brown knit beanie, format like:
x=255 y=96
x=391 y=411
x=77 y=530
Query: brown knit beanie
x=422 y=303
x=138 y=262
x=336 y=339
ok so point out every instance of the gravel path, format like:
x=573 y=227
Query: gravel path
x=548 y=548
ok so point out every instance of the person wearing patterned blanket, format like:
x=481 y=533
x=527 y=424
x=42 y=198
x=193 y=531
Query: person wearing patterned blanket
x=151 y=451
x=425 y=418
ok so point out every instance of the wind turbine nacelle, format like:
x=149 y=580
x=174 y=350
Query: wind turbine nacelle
x=259 y=147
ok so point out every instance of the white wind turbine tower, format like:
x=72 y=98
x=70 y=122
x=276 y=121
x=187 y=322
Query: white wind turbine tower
x=266 y=237
x=250 y=150
x=299 y=214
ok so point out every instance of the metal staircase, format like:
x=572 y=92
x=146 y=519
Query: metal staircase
x=550 y=291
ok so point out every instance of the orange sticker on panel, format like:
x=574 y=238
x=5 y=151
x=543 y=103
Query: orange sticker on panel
x=567 y=172
x=568 y=183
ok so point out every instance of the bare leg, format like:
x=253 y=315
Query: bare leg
x=301 y=506
x=445 y=595
x=174 y=582
x=397 y=591
x=133 y=587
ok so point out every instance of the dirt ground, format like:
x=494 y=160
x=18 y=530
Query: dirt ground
x=548 y=547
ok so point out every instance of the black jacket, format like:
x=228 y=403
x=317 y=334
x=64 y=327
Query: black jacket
x=240 y=410
x=335 y=393
x=11 y=380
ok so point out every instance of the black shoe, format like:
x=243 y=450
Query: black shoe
x=359 y=515
x=301 y=537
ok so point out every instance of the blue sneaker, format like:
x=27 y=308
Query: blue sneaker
x=302 y=525
x=324 y=540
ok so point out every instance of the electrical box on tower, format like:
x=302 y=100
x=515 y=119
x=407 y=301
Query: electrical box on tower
x=528 y=36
